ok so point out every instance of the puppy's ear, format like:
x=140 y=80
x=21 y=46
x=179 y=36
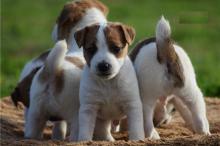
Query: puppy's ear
x=86 y=36
x=129 y=33
x=66 y=20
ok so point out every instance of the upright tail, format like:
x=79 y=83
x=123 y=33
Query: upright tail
x=56 y=57
x=163 y=37
x=166 y=53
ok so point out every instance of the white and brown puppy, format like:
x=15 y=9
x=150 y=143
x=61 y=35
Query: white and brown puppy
x=74 y=15
x=163 y=68
x=108 y=87
x=54 y=92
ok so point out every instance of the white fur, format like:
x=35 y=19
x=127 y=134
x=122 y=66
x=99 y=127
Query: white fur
x=163 y=30
x=55 y=59
x=106 y=99
x=153 y=84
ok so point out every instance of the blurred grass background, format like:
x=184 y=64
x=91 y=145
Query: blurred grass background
x=26 y=31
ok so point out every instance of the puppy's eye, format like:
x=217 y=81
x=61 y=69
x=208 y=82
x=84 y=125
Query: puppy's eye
x=116 y=50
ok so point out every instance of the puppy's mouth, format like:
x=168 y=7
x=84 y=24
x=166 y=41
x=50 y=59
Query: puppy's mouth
x=105 y=75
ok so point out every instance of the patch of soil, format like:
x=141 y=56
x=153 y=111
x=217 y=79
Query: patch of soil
x=174 y=133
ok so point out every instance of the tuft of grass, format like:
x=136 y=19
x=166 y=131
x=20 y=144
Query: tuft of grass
x=26 y=31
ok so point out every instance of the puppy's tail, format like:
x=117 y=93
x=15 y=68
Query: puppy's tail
x=55 y=58
x=165 y=49
x=166 y=53
x=163 y=33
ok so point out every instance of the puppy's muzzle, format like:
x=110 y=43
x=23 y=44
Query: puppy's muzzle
x=104 y=69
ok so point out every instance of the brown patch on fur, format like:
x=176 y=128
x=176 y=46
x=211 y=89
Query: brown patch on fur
x=166 y=54
x=76 y=61
x=59 y=81
x=73 y=12
x=86 y=38
x=44 y=75
x=118 y=38
x=22 y=91
x=133 y=54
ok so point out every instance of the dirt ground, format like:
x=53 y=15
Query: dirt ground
x=175 y=133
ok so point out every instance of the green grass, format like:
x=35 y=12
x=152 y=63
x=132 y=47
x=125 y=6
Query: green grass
x=26 y=31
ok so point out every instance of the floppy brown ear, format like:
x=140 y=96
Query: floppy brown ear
x=65 y=21
x=70 y=15
x=86 y=36
x=129 y=33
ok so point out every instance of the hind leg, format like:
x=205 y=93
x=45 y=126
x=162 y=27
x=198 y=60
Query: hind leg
x=184 y=111
x=148 y=112
x=194 y=100
x=34 y=124
x=103 y=130
x=59 y=130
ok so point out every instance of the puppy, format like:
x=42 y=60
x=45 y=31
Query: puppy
x=75 y=15
x=54 y=91
x=163 y=68
x=108 y=87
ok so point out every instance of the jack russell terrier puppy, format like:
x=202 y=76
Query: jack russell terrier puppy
x=163 y=68
x=108 y=87
x=54 y=92
x=75 y=15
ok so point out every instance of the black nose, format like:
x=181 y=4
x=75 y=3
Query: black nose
x=104 y=67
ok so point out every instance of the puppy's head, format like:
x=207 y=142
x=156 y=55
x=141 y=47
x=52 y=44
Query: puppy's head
x=163 y=112
x=105 y=47
x=74 y=13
